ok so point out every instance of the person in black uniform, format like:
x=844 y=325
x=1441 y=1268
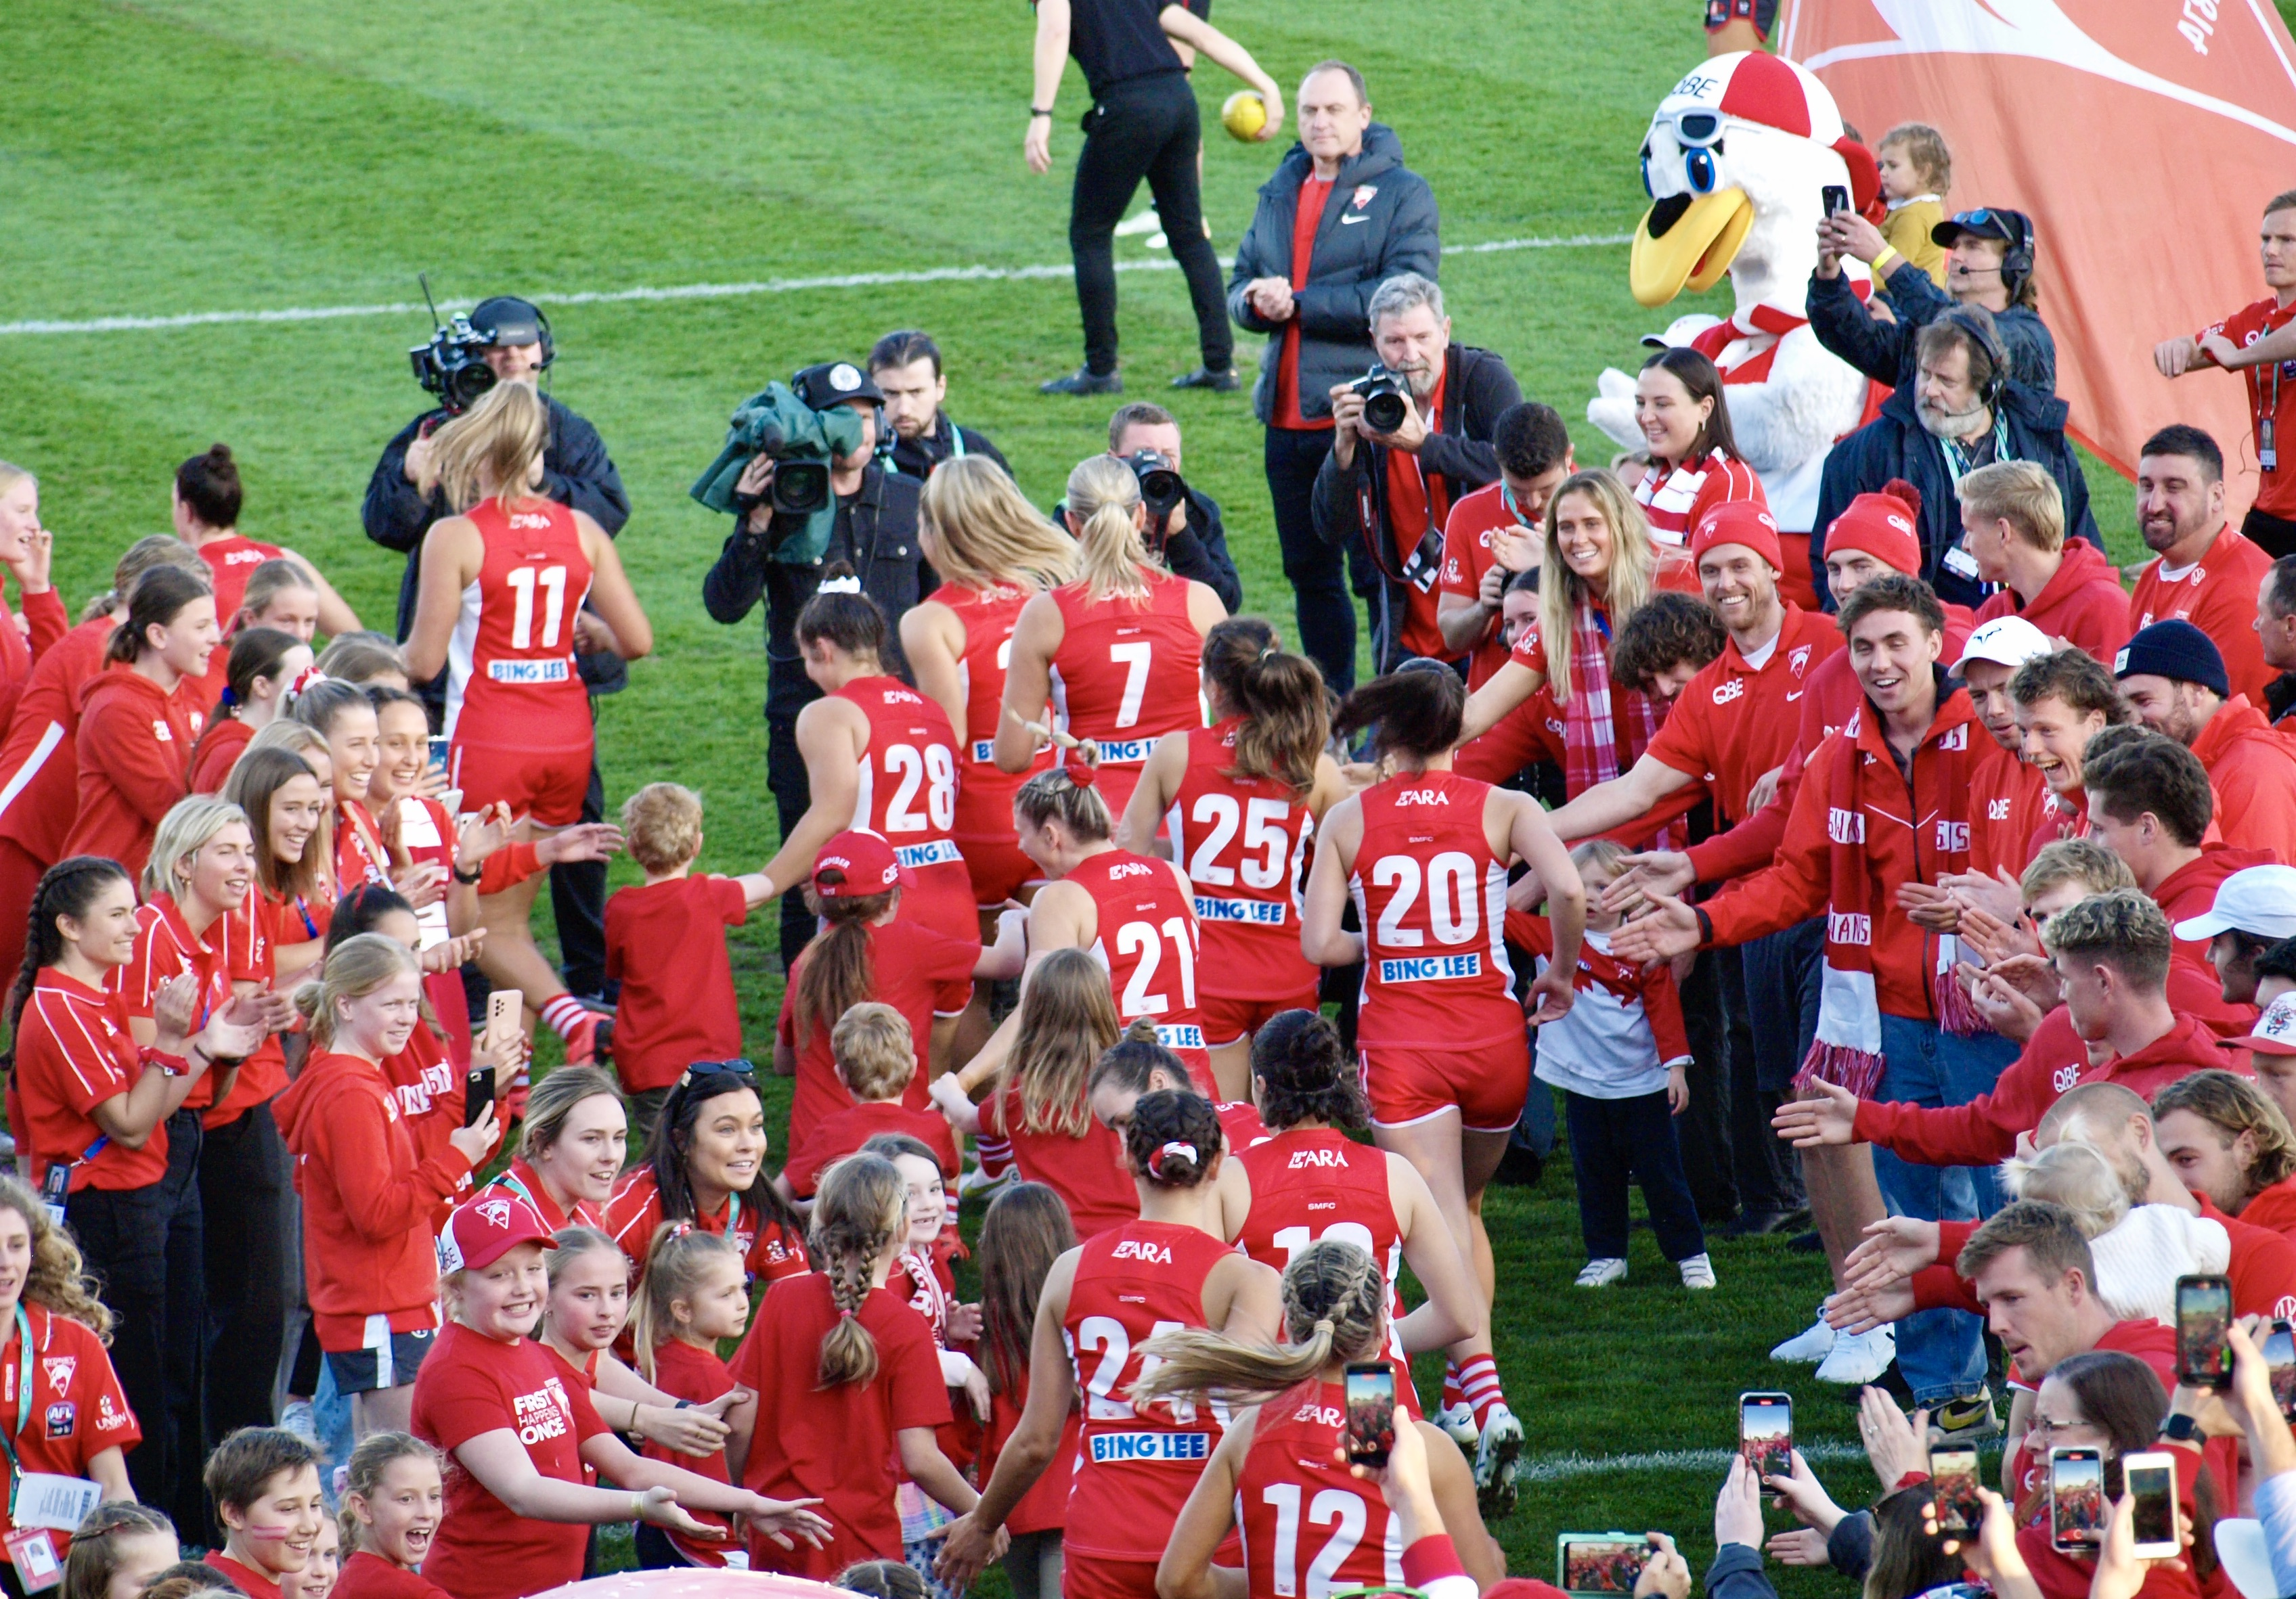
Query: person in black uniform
x=576 y=472
x=875 y=533
x=1143 y=124
x=914 y=431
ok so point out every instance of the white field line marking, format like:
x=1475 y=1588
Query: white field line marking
x=692 y=291
x=1561 y=1468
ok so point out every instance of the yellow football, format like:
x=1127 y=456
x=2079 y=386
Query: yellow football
x=1244 y=114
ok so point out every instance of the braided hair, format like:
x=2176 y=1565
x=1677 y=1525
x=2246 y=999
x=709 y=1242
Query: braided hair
x=95 y=1552
x=1334 y=1308
x=1305 y=1074
x=68 y=888
x=861 y=1213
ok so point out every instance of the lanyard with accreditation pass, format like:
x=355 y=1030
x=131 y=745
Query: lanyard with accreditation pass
x=40 y=1503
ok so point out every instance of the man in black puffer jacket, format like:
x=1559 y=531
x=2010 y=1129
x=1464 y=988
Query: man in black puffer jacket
x=1369 y=218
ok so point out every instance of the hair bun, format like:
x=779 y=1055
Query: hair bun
x=219 y=452
x=1140 y=1032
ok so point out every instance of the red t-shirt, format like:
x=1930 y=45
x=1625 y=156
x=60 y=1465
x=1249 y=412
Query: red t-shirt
x=1737 y=721
x=249 y=1581
x=2217 y=594
x=666 y=943
x=768 y=1250
x=2276 y=494
x=1467 y=556
x=685 y=1372
x=1416 y=501
x=842 y=1132
x=1091 y=1173
x=78 y=1408
x=73 y=1052
x=166 y=948
x=1315 y=194
x=840 y=1444
x=366 y=1575
x=470 y=1385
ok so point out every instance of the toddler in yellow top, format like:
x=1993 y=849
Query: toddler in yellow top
x=1916 y=174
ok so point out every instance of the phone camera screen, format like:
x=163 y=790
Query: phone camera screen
x=2077 y=1498
x=2156 y=1522
x=1603 y=1565
x=1766 y=1434
x=1371 y=1414
x=2203 y=1318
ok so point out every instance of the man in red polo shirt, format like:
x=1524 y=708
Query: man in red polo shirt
x=2202 y=572
x=2013 y=523
x=2228 y=1141
x=1496 y=531
x=2174 y=680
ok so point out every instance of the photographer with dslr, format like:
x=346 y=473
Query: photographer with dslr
x=1409 y=439
x=800 y=475
x=1183 y=522
x=914 y=434
x=505 y=339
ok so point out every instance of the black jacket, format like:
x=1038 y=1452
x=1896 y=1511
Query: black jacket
x=1348 y=501
x=576 y=471
x=1884 y=351
x=917 y=457
x=1397 y=233
x=876 y=530
x=1894 y=444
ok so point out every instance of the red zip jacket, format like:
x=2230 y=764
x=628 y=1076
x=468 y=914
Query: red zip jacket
x=1984 y=1132
x=2083 y=604
x=368 y=1199
x=1900 y=848
x=134 y=752
x=2253 y=771
x=46 y=620
x=39 y=762
x=2274 y=1207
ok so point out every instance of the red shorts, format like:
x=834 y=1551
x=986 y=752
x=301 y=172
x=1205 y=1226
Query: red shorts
x=547 y=786
x=998 y=869
x=1488 y=1086
x=942 y=899
x=1229 y=1019
x=1096 y=1577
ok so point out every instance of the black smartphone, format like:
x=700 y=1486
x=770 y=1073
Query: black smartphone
x=1953 y=1477
x=1599 y=1562
x=1833 y=198
x=1766 y=1432
x=2076 y=1500
x=1371 y=1413
x=478 y=1093
x=2280 y=1361
x=2203 y=1318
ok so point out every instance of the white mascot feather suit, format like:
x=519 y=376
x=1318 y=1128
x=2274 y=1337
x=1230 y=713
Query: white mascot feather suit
x=1736 y=162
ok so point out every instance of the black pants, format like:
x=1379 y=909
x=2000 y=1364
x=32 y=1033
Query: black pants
x=243 y=1178
x=2276 y=535
x=143 y=1246
x=1705 y=1128
x=1146 y=127
x=1316 y=571
x=1611 y=1138
x=792 y=792
x=1762 y=1162
x=577 y=899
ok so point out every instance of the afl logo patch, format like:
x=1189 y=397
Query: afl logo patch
x=62 y=1416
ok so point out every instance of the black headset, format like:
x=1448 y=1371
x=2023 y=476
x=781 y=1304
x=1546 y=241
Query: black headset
x=2017 y=260
x=1981 y=333
x=500 y=302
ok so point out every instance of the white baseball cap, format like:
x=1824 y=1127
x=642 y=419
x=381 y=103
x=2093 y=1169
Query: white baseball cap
x=2260 y=901
x=2005 y=641
x=2276 y=1029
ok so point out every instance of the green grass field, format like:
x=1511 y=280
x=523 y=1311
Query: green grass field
x=172 y=157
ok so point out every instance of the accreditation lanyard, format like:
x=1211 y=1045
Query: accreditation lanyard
x=1956 y=459
x=23 y=1405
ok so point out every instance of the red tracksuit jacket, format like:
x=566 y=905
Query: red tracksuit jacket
x=134 y=752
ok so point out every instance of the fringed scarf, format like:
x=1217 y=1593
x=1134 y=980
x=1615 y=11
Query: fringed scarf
x=1590 y=745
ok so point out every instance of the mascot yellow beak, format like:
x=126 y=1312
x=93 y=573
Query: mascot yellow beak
x=1687 y=239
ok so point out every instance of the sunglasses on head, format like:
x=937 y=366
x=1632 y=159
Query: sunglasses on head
x=707 y=1071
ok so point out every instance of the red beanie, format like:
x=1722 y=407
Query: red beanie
x=1881 y=524
x=1739 y=522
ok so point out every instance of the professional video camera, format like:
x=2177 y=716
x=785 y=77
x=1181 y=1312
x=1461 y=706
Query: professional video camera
x=803 y=443
x=1161 y=485
x=452 y=364
x=1386 y=397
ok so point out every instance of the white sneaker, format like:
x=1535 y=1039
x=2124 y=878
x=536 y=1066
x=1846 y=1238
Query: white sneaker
x=1697 y=1272
x=1813 y=1343
x=296 y=1418
x=1157 y=240
x=1857 y=1358
x=1146 y=222
x=1458 y=1422
x=1603 y=1273
x=977 y=1181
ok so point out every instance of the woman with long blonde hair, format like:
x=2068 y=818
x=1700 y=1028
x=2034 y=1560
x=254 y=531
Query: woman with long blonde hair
x=994 y=552
x=1600 y=566
x=519 y=577
x=1125 y=639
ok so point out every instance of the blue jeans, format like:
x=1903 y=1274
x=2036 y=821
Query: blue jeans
x=1940 y=1353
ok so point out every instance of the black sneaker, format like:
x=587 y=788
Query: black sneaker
x=1520 y=1167
x=1084 y=381
x=1220 y=382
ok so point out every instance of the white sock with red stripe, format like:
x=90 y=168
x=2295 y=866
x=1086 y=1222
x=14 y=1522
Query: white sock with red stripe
x=1479 y=1381
x=1454 y=1395
x=996 y=1155
x=566 y=1016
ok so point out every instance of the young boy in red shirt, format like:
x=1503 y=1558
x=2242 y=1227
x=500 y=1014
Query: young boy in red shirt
x=265 y=1483
x=666 y=945
x=876 y=1055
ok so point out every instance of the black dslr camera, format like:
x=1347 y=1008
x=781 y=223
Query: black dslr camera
x=452 y=364
x=1386 y=397
x=1160 y=486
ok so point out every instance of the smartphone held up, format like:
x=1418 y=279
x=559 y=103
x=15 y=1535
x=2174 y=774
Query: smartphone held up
x=2077 y=1508
x=1600 y=1562
x=2204 y=1326
x=1765 y=1433
x=1371 y=1413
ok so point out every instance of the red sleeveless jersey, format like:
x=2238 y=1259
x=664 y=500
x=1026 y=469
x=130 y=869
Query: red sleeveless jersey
x=907 y=793
x=984 y=795
x=1240 y=841
x=1316 y=1182
x=1125 y=674
x=1432 y=902
x=229 y=563
x=1136 y=1465
x=510 y=666
x=1149 y=942
x=1308 y=1527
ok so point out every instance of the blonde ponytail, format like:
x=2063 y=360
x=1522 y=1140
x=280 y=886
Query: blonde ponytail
x=1334 y=1308
x=1103 y=497
x=492 y=449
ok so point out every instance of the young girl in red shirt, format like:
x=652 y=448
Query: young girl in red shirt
x=849 y=1387
x=394 y=1495
x=707 y=1164
x=694 y=1296
x=118 y=1551
x=265 y=664
x=139 y=717
x=1026 y=1230
x=586 y=1313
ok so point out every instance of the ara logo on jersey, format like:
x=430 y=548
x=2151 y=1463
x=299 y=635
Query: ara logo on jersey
x=1136 y=1249
x=1132 y=869
x=1301 y=1158
x=1422 y=796
x=1323 y=1415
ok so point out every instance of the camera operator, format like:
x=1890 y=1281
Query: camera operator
x=917 y=435
x=512 y=336
x=1192 y=539
x=875 y=529
x=1392 y=487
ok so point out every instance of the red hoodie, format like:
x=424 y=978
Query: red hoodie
x=45 y=618
x=2272 y=1207
x=368 y=1198
x=2253 y=771
x=39 y=762
x=1984 y=1132
x=134 y=752
x=2191 y=891
x=2082 y=604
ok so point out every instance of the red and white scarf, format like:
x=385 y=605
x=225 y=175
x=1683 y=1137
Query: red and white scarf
x=1848 y=1050
x=1590 y=741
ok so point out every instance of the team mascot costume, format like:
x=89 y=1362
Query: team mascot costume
x=1736 y=162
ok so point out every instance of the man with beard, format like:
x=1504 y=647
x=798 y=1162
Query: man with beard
x=2174 y=678
x=1961 y=411
x=2202 y=572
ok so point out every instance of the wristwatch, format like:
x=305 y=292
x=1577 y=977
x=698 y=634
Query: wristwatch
x=1036 y=111
x=467 y=878
x=2180 y=1427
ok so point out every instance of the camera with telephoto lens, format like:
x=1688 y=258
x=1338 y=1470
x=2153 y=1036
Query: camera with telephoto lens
x=1161 y=485
x=452 y=364
x=803 y=443
x=1386 y=397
